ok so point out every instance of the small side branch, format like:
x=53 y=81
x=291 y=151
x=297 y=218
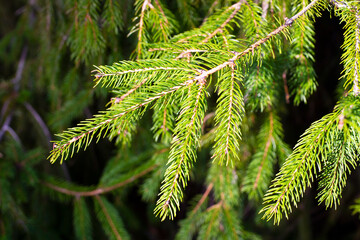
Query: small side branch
x=162 y=11
x=117 y=100
x=236 y=8
x=141 y=25
x=354 y=10
x=178 y=178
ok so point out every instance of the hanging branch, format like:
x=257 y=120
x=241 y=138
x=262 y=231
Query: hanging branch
x=182 y=154
x=349 y=14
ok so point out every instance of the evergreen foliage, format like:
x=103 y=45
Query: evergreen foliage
x=203 y=98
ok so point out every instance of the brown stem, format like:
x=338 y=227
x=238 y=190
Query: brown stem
x=202 y=199
x=100 y=190
x=236 y=8
x=141 y=26
x=108 y=217
x=207 y=117
x=162 y=11
x=119 y=99
x=286 y=89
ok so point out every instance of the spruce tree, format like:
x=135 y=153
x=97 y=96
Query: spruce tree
x=200 y=97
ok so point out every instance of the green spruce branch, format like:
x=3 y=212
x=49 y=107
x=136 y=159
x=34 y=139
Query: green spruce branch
x=152 y=86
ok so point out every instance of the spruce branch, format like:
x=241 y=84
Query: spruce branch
x=236 y=9
x=161 y=82
x=349 y=14
x=342 y=154
x=145 y=5
x=183 y=151
x=297 y=172
x=150 y=16
x=318 y=152
x=228 y=117
x=187 y=76
x=302 y=80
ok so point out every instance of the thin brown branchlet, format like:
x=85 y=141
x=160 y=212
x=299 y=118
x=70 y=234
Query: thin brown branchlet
x=236 y=8
x=101 y=74
x=100 y=190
